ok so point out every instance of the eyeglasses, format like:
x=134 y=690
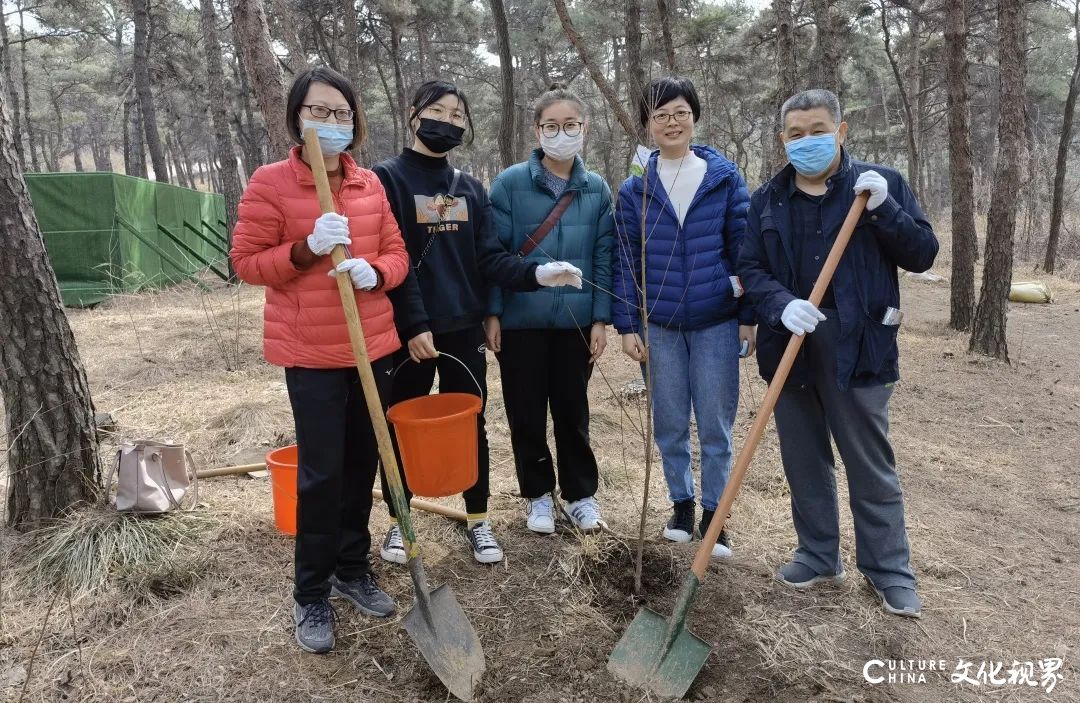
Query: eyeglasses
x=322 y=112
x=665 y=117
x=552 y=129
x=438 y=112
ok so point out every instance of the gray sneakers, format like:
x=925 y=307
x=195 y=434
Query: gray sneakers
x=314 y=626
x=801 y=576
x=365 y=594
x=898 y=600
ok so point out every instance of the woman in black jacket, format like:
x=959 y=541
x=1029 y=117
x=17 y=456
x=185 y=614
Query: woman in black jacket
x=455 y=255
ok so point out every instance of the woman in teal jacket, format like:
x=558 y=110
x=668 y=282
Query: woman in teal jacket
x=547 y=341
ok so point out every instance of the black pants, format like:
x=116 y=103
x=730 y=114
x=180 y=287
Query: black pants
x=415 y=380
x=338 y=457
x=541 y=368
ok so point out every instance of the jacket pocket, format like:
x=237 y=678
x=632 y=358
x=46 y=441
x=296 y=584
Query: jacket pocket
x=877 y=349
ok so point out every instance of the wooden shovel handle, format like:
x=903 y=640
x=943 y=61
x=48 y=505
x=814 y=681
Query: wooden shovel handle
x=359 y=346
x=768 y=403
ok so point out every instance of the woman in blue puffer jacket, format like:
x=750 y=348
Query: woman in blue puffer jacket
x=547 y=342
x=691 y=204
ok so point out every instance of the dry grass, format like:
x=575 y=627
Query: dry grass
x=90 y=547
x=987 y=454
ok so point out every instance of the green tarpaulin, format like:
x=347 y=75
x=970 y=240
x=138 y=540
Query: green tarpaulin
x=107 y=233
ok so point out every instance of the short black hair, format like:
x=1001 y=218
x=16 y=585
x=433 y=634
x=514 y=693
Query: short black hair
x=299 y=90
x=662 y=91
x=430 y=92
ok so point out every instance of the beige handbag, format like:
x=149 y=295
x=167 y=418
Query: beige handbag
x=153 y=477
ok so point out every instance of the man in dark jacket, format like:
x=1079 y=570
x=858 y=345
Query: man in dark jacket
x=844 y=375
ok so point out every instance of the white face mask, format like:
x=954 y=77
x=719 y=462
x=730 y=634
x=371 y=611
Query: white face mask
x=561 y=147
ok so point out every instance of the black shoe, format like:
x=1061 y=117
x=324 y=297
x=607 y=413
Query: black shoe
x=680 y=528
x=722 y=549
x=365 y=594
x=314 y=626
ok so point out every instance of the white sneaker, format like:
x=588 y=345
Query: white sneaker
x=393 y=547
x=584 y=514
x=484 y=547
x=541 y=512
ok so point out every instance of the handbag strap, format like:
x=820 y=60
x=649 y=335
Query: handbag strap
x=433 y=236
x=112 y=474
x=547 y=225
x=193 y=475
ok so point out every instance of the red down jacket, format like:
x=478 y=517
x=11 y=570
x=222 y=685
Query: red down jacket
x=304 y=324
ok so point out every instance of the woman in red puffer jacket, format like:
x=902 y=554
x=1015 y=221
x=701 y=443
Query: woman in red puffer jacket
x=282 y=241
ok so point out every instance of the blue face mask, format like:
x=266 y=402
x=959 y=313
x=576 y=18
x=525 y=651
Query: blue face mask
x=812 y=156
x=333 y=138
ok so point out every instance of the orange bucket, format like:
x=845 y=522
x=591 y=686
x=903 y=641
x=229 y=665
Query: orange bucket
x=282 y=465
x=436 y=436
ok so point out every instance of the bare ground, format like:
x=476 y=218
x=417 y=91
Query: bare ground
x=988 y=455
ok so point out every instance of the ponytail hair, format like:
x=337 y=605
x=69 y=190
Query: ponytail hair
x=557 y=92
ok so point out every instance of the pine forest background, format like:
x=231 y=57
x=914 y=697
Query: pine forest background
x=134 y=87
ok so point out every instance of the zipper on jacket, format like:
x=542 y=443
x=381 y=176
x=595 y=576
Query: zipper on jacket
x=698 y=196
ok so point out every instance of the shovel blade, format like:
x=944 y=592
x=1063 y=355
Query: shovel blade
x=643 y=659
x=448 y=642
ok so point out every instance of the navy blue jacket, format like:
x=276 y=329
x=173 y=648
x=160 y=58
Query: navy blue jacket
x=896 y=233
x=687 y=267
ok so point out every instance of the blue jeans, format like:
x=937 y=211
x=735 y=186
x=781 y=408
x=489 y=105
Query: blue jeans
x=699 y=369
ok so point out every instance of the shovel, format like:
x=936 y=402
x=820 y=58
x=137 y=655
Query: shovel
x=659 y=654
x=436 y=623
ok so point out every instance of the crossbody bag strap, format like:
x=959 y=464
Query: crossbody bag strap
x=432 y=237
x=547 y=225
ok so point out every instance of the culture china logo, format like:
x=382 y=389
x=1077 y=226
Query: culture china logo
x=1042 y=673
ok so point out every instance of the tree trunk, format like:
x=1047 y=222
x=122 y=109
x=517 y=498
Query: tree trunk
x=390 y=100
x=635 y=75
x=137 y=156
x=665 y=32
x=12 y=94
x=506 y=73
x=787 y=76
x=26 y=91
x=253 y=36
x=100 y=150
x=52 y=460
x=141 y=68
x=827 y=51
x=285 y=26
x=916 y=71
x=399 y=82
x=126 y=129
x=961 y=175
x=219 y=114
x=248 y=133
x=76 y=148
x=350 y=22
x=1058 y=203
x=909 y=116
x=988 y=329
x=597 y=75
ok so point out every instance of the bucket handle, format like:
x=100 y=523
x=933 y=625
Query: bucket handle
x=483 y=400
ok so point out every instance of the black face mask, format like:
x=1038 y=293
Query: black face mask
x=439 y=136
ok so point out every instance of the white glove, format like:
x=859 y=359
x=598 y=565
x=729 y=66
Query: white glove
x=330 y=229
x=558 y=273
x=876 y=184
x=360 y=271
x=801 y=317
